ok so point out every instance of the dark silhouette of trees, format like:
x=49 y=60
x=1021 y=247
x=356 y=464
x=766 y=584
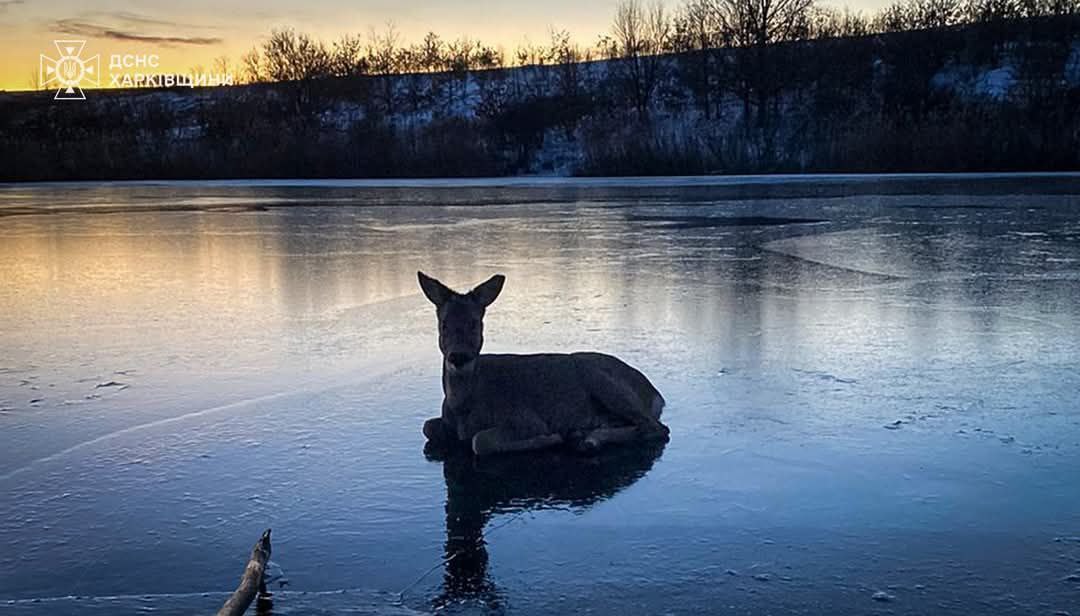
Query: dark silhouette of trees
x=347 y=57
x=755 y=23
x=713 y=86
x=639 y=34
x=289 y=56
x=830 y=22
x=758 y=72
x=699 y=30
x=567 y=57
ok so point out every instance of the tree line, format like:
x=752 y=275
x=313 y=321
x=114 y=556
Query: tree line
x=638 y=30
x=711 y=86
x=722 y=47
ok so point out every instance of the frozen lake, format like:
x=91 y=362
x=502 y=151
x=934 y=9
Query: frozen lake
x=872 y=388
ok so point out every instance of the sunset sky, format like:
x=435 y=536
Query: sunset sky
x=193 y=33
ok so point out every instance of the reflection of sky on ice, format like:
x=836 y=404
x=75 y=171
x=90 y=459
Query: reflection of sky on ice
x=881 y=401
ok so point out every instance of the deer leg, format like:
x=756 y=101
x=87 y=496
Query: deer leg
x=619 y=400
x=501 y=440
x=435 y=431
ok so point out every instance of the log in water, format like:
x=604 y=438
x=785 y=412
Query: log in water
x=251 y=583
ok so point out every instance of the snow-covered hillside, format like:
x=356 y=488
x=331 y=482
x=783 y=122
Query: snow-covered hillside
x=962 y=98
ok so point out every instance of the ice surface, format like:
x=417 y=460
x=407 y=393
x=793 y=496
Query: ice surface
x=884 y=401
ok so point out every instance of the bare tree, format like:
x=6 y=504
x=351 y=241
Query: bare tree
x=459 y=54
x=699 y=28
x=628 y=28
x=754 y=25
x=458 y=60
x=658 y=28
x=383 y=50
x=529 y=80
x=1056 y=7
x=347 y=57
x=299 y=59
x=700 y=25
x=566 y=56
x=253 y=70
x=893 y=18
x=977 y=11
x=383 y=58
x=761 y=22
x=830 y=22
x=288 y=56
x=431 y=53
x=918 y=15
x=639 y=35
x=487 y=57
x=222 y=66
x=526 y=54
x=936 y=13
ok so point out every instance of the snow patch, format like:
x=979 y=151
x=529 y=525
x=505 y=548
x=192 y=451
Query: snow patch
x=559 y=155
x=975 y=83
x=995 y=83
x=1072 y=66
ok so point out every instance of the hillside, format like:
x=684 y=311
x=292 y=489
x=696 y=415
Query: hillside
x=993 y=96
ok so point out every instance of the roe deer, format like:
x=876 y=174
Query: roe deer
x=504 y=403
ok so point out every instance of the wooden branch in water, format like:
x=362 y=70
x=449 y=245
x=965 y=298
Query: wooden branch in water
x=251 y=583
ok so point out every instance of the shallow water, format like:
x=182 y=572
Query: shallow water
x=871 y=388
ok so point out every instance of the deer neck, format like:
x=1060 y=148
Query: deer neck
x=458 y=386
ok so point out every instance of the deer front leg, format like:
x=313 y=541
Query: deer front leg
x=501 y=440
x=434 y=430
x=448 y=428
x=437 y=433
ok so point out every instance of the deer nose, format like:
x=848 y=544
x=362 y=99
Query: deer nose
x=459 y=359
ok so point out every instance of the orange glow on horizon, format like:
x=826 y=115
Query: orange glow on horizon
x=210 y=29
x=23 y=49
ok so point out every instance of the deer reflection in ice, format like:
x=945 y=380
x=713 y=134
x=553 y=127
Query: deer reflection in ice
x=480 y=489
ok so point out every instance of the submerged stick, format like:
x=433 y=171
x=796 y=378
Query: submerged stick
x=252 y=581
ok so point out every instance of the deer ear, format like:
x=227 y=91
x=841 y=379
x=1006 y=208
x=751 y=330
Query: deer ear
x=486 y=292
x=435 y=291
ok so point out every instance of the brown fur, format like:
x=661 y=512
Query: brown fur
x=504 y=403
